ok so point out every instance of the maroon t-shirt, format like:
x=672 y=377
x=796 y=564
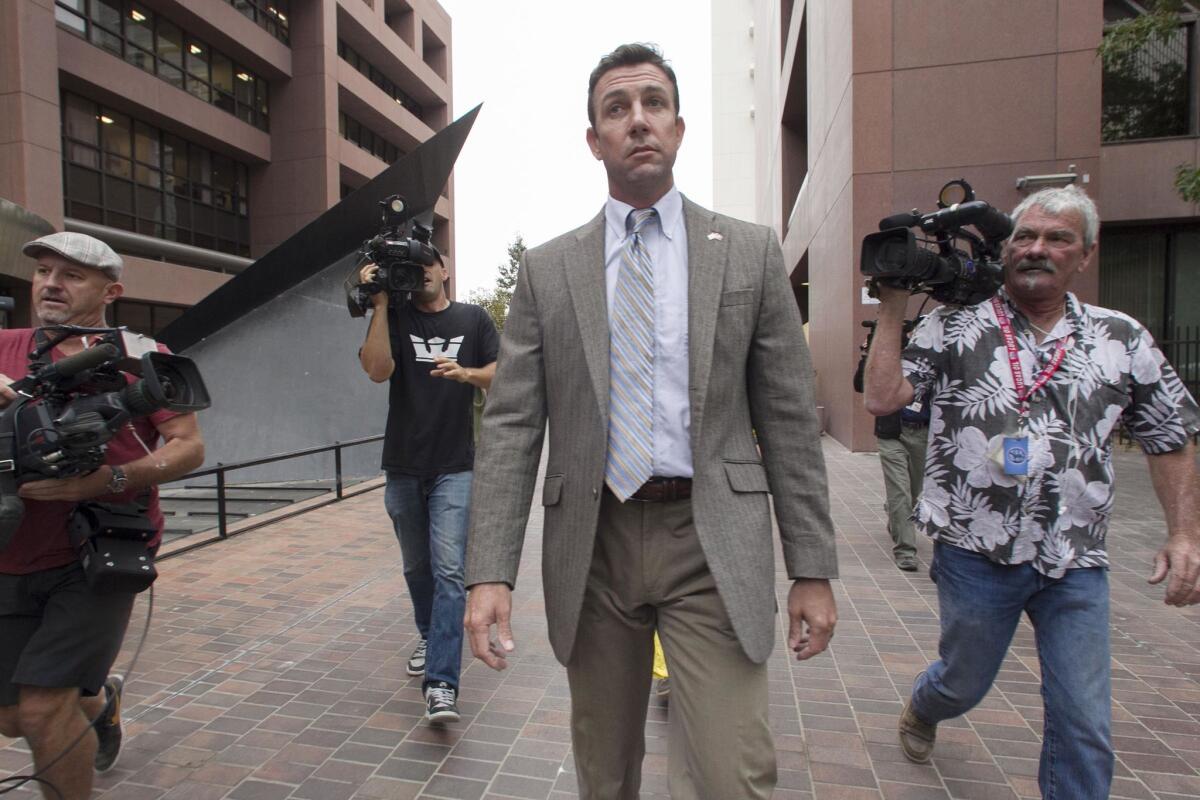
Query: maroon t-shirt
x=41 y=539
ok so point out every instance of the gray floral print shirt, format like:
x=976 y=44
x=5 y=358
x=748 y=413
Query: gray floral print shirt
x=1056 y=516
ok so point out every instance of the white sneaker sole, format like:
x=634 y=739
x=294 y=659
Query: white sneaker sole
x=443 y=716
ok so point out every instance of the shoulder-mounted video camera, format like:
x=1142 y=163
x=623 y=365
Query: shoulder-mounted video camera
x=401 y=250
x=65 y=412
x=936 y=263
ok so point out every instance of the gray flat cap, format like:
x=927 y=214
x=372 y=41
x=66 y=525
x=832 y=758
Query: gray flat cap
x=80 y=248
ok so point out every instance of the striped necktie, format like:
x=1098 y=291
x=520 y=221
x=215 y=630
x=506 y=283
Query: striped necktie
x=631 y=365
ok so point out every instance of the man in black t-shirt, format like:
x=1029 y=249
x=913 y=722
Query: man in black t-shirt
x=434 y=352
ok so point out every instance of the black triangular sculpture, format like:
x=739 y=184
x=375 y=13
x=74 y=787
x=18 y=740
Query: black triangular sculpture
x=418 y=176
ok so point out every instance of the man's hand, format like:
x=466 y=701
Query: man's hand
x=1179 y=557
x=367 y=275
x=448 y=368
x=490 y=604
x=812 y=615
x=72 y=490
x=7 y=395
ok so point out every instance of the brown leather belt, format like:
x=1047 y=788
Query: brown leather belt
x=664 y=490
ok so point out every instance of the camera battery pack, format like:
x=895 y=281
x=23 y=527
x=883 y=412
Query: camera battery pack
x=111 y=541
x=117 y=565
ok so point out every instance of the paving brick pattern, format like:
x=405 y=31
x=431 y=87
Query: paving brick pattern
x=274 y=668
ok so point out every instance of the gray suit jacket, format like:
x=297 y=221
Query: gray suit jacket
x=748 y=371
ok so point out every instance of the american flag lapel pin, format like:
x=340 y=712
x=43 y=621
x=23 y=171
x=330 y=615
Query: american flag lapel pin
x=714 y=236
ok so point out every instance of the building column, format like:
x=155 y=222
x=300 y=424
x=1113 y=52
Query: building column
x=30 y=143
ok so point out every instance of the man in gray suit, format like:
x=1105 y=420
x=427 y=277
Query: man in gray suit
x=657 y=340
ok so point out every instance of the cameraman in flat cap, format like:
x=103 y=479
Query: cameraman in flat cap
x=59 y=637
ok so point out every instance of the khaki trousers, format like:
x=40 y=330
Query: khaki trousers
x=648 y=571
x=903 y=462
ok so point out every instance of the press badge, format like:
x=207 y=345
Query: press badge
x=1016 y=455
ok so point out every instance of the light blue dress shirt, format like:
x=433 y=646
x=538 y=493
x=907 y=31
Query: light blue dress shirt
x=667 y=243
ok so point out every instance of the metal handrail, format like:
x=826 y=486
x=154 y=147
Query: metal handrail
x=221 y=469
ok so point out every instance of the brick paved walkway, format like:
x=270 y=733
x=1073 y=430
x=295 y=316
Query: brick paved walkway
x=275 y=669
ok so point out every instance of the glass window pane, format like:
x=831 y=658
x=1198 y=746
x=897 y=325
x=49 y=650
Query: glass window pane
x=109 y=41
x=149 y=204
x=142 y=59
x=147 y=177
x=201 y=166
x=222 y=73
x=120 y=167
x=81 y=120
x=123 y=221
x=148 y=228
x=202 y=219
x=85 y=212
x=178 y=211
x=223 y=101
x=172 y=75
x=72 y=22
x=106 y=14
x=197 y=60
x=169 y=43
x=118 y=195
x=145 y=140
x=83 y=184
x=243 y=88
x=115 y=131
x=139 y=27
x=83 y=155
x=199 y=89
x=175 y=158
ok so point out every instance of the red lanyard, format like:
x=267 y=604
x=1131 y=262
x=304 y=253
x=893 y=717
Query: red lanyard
x=1014 y=360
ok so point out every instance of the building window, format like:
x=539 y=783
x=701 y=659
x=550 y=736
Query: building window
x=144 y=318
x=271 y=15
x=376 y=77
x=367 y=139
x=1150 y=93
x=156 y=45
x=119 y=171
x=1152 y=273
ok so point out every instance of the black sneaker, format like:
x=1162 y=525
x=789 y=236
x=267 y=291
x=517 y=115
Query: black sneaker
x=440 y=703
x=416 y=662
x=108 y=726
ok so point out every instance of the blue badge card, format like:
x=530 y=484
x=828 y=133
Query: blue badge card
x=1016 y=455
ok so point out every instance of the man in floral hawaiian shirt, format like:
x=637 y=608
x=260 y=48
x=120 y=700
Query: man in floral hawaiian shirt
x=1026 y=390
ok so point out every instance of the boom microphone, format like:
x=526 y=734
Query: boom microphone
x=71 y=366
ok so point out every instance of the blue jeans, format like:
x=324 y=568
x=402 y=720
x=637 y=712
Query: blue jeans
x=980 y=604
x=430 y=519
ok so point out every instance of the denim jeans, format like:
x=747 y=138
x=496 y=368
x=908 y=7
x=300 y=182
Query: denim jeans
x=429 y=516
x=980 y=604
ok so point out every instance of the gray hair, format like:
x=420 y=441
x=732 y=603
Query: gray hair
x=1060 y=200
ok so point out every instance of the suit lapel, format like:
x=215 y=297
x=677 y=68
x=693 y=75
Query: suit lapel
x=585 y=277
x=706 y=275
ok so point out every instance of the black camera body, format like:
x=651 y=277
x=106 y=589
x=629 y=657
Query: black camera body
x=66 y=412
x=949 y=274
x=401 y=250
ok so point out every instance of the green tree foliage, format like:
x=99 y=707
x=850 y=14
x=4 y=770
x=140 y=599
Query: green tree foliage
x=1146 y=90
x=495 y=300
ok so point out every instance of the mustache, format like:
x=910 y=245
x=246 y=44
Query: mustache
x=1036 y=263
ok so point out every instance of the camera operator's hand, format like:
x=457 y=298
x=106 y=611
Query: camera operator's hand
x=448 y=368
x=892 y=296
x=367 y=275
x=7 y=395
x=72 y=490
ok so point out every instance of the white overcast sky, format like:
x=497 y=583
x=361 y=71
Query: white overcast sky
x=525 y=167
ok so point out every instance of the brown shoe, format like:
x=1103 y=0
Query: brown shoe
x=916 y=736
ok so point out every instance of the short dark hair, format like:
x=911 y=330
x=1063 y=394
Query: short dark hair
x=628 y=55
